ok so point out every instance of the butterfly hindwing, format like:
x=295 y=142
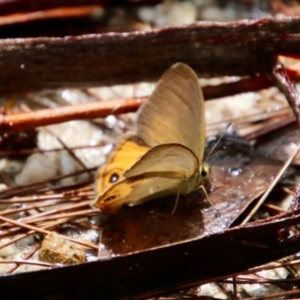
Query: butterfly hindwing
x=171 y=158
x=136 y=190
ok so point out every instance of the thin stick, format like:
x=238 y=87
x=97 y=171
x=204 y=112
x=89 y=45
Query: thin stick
x=40 y=230
x=29 y=207
x=276 y=295
x=266 y=194
x=274 y=207
x=71 y=153
x=86 y=213
x=57 y=211
x=288 y=88
x=31 y=151
x=42 y=184
x=27 y=256
x=28 y=262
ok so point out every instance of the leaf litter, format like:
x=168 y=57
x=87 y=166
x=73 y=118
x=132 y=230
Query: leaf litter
x=239 y=176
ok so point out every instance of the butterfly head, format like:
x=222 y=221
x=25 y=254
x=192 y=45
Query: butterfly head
x=204 y=171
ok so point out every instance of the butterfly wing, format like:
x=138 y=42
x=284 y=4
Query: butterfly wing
x=175 y=111
x=173 y=160
x=163 y=170
x=134 y=191
x=121 y=159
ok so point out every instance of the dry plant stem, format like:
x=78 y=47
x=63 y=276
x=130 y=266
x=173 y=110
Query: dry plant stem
x=48 y=226
x=27 y=256
x=37 y=218
x=40 y=230
x=42 y=184
x=70 y=195
x=42 y=205
x=276 y=295
x=62 y=218
x=251 y=280
x=71 y=153
x=27 y=262
x=58 y=213
x=29 y=207
x=14 y=6
x=270 y=266
x=71 y=215
x=276 y=179
x=270 y=126
x=58 y=198
x=31 y=151
x=274 y=207
x=17 y=238
x=246 y=47
x=296 y=200
x=288 y=88
x=268 y=121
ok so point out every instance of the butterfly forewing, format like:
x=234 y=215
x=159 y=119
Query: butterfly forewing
x=128 y=152
x=175 y=112
x=168 y=158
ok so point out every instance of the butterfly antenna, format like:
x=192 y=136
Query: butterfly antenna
x=216 y=144
x=213 y=155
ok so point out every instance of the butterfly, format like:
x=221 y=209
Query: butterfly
x=172 y=124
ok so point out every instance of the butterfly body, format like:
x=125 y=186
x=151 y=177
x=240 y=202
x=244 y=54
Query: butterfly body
x=172 y=124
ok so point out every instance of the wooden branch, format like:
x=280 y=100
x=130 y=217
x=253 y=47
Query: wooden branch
x=33 y=119
x=210 y=48
x=288 y=88
x=65 y=12
x=44 y=117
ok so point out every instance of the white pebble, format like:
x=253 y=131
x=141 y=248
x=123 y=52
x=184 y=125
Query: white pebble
x=181 y=13
x=147 y=14
x=8 y=250
x=212 y=14
x=10 y=166
x=38 y=167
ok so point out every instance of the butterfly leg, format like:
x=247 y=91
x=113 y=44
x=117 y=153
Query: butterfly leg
x=206 y=195
x=176 y=202
x=217 y=184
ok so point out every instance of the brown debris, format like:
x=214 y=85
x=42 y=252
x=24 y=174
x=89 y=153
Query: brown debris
x=56 y=249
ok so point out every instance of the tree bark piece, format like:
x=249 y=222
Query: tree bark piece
x=162 y=270
x=210 y=48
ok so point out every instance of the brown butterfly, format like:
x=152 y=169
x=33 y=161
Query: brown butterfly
x=172 y=124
